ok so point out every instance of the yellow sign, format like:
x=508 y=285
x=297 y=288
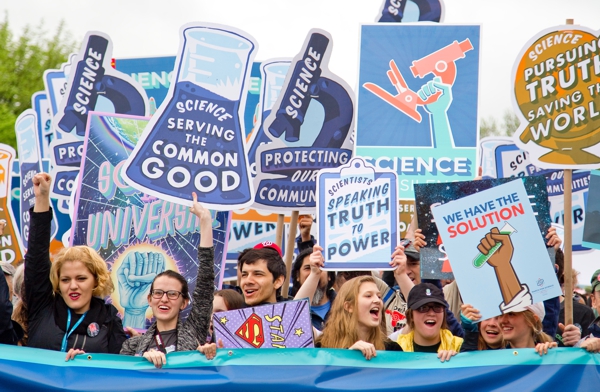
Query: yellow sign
x=557 y=98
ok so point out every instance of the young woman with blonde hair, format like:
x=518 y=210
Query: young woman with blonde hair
x=66 y=309
x=355 y=319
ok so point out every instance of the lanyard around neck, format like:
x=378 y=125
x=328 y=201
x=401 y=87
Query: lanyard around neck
x=67 y=334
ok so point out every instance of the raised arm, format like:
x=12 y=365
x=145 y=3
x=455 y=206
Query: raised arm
x=307 y=290
x=37 y=259
x=197 y=324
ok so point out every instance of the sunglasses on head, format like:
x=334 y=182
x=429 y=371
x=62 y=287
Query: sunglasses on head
x=425 y=308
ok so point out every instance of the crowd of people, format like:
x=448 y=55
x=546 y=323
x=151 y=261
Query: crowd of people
x=60 y=305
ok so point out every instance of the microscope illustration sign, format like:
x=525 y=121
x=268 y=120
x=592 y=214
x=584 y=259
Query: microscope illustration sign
x=417 y=102
x=556 y=98
x=508 y=268
x=92 y=85
x=310 y=128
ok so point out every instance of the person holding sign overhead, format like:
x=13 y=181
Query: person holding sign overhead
x=169 y=295
x=64 y=298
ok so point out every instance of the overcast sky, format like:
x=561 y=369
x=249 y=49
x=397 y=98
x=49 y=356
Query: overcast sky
x=141 y=28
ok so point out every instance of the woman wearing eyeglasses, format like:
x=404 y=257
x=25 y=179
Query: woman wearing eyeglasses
x=169 y=295
x=426 y=317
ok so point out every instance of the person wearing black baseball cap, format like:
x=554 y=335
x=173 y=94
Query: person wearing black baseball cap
x=426 y=317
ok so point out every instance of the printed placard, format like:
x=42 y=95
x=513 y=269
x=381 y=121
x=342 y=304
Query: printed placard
x=417 y=101
x=591 y=228
x=30 y=163
x=56 y=83
x=411 y=11
x=435 y=261
x=499 y=260
x=92 y=85
x=195 y=141
x=11 y=247
x=134 y=232
x=500 y=157
x=555 y=96
x=281 y=325
x=272 y=74
x=358 y=216
x=310 y=127
x=41 y=105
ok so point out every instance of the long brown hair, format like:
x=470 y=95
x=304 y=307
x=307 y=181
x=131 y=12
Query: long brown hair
x=341 y=329
x=537 y=330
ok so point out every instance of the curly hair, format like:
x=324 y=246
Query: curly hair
x=94 y=263
x=341 y=329
x=537 y=330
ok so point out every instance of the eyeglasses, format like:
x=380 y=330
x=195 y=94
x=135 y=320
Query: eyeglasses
x=171 y=294
x=425 y=308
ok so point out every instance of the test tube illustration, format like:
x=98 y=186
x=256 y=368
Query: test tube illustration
x=481 y=259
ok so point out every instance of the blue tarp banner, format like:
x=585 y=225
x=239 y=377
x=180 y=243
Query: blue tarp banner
x=568 y=369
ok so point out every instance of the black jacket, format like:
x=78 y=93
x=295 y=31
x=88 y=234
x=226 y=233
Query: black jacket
x=10 y=331
x=47 y=312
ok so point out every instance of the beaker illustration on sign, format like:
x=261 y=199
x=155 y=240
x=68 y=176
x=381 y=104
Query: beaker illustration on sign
x=195 y=142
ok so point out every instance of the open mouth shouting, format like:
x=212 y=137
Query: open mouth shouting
x=74 y=296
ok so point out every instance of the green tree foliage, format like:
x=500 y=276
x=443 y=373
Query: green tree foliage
x=491 y=127
x=23 y=60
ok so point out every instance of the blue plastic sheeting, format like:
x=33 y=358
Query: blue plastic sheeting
x=569 y=369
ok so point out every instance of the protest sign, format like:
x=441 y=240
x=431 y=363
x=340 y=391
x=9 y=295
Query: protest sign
x=357 y=213
x=435 y=263
x=498 y=257
x=591 y=228
x=501 y=158
x=30 y=164
x=41 y=105
x=154 y=74
x=272 y=73
x=554 y=96
x=127 y=227
x=425 y=127
x=411 y=11
x=55 y=84
x=281 y=325
x=310 y=127
x=92 y=85
x=11 y=247
x=195 y=141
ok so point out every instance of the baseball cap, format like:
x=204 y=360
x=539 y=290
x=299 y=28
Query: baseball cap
x=425 y=293
x=538 y=310
x=269 y=244
x=596 y=281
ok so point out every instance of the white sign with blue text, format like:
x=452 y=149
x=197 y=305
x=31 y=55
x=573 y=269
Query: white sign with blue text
x=357 y=209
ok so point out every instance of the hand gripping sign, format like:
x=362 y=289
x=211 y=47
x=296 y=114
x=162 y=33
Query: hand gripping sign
x=310 y=128
x=556 y=98
x=195 y=141
x=357 y=211
x=30 y=164
x=93 y=85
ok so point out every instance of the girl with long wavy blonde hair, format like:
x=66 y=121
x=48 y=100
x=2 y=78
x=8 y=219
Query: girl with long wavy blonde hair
x=355 y=319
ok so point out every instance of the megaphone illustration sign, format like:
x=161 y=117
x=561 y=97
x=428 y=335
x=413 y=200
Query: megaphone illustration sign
x=93 y=85
x=556 y=98
x=310 y=127
x=195 y=141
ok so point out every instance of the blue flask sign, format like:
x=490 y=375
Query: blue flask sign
x=195 y=141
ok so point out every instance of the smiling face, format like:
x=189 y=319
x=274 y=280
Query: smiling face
x=165 y=310
x=516 y=331
x=76 y=284
x=369 y=306
x=491 y=332
x=257 y=283
x=428 y=324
